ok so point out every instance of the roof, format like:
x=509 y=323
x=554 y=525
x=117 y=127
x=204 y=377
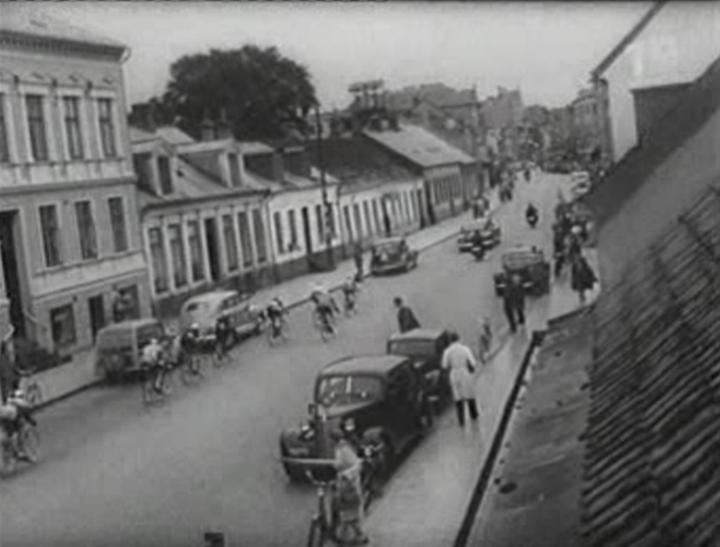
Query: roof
x=375 y=364
x=650 y=473
x=174 y=135
x=420 y=146
x=28 y=21
x=538 y=479
x=614 y=53
x=682 y=121
x=416 y=334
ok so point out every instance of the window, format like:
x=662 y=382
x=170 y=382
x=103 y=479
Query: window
x=376 y=216
x=117 y=221
x=50 y=234
x=259 y=236
x=234 y=170
x=366 y=211
x=293 y=230
x=36 y=126
x=196 y=258
x=107 y=127
x=86 y=230
x=245 y=243
x=72 y=127
x=142 y=165
x=358 y=220
x=62 y=325
x=157 y=255
x=166 y=186
x=230 y=243
x=277 y=219
x=177 y=254
x=348 y=222
x=320 y=223
x=4 y=149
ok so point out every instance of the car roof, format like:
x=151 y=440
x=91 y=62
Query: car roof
x=519 y=249
x=381 y=241
x=211 y=297
x=418 y=334
x=363 y=364
x=130 y=323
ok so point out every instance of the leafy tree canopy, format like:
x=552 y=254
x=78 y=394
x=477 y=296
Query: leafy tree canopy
x=259 y=92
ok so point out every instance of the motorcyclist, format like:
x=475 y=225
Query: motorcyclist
x=531 y=214
x=478 y=246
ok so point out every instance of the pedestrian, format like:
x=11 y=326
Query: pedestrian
x=458 y=358
x=350 y=502
x=358 y=258
x=484 y=339
x=405 y=316
x=514 y=302
x=582 y=277
x=9 y=376
x=558 y=248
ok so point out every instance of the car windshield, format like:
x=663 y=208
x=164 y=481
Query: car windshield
x=148 y=332
x=387 y=248
x=347 y=389
x=413 y=348
x=518 y=260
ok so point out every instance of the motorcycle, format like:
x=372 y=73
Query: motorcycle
x=532 y=218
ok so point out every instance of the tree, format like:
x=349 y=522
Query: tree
x=259 y=92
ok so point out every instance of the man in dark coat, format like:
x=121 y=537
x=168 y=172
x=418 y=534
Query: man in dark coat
x=583 y=277
x=514 y=302
x=8 y=373
x=406 y=318
x=358 y=258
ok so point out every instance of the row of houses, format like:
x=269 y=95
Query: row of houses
x=94 y=209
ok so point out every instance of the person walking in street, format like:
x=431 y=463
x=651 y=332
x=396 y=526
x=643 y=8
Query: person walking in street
x=459 y=360
x=350 y=502
x=558 y=248
x=405 y=316
x=514 y=302
x=358 y=258
x=582 y=277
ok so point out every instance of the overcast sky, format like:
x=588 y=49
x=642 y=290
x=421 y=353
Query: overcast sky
x=547 y=49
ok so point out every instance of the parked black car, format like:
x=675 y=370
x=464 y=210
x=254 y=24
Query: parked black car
x=383 y=395
x=392 y=254
x=530 y=264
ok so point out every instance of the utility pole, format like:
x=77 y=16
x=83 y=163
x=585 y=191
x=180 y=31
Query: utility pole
x=327 y=206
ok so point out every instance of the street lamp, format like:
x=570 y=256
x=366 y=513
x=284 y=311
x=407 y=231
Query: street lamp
x=327 y=206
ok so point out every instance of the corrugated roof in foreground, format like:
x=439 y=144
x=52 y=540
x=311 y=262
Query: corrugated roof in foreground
x=420 y=146
x=652 y=466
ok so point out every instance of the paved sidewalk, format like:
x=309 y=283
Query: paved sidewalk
x=81 y=373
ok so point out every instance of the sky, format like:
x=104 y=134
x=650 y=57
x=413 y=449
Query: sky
x=545 y=49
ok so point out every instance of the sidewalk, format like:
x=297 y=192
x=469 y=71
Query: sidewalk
x=65 y=380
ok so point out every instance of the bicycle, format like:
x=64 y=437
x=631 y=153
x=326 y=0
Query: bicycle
x=323 y=526
x=30 y=386
x=156 y=382
x=277 y=330
x=324 y=323
x=350 y=303
x=190 y=368
x=21 y=446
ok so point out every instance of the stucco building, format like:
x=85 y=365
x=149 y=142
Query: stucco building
x=69 y=228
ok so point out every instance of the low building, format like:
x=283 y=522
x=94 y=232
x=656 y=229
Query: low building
x=69 y=228
x=203 y=217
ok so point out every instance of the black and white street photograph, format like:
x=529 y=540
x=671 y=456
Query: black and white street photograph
x=322 y=274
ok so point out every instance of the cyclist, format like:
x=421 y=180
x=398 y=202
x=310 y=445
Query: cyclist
x=16 y=411
x=152 y=359
x=325 y=307
x=189 y=342
x=222 y=337
x=350 y=289
x=274 y=312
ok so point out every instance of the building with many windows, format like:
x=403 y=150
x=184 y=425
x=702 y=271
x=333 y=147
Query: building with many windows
x=69 y=230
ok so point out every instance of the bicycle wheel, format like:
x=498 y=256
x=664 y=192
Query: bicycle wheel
x=30 y=442
x=316 y=535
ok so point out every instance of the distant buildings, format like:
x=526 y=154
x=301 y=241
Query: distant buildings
x=69 y=225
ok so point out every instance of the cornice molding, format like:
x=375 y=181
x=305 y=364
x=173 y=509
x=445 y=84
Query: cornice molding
x=44 y=44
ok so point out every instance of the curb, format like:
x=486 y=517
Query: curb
x=45 y=404
x=488 y=466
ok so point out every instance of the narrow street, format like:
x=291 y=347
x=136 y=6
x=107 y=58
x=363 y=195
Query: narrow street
x=114 y=473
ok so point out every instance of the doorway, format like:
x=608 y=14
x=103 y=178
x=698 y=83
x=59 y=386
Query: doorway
x=306 y=230
x=429 y=201
x=96 y=309
x=10 y=266
x=213 y=248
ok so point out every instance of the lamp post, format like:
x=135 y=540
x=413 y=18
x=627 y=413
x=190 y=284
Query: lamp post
x=327 y=206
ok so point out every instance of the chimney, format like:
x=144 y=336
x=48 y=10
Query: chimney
x=142 y=115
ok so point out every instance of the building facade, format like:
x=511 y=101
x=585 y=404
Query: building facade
x=69 y=229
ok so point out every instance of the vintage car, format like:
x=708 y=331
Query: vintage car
x=488 y=228
x=425 y=347
x=118 y=347
x=392 y=254
x=382 y=394
x=530 y=264
x=206 y=308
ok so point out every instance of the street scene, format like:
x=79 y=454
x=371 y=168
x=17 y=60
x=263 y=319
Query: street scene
x=249 y=297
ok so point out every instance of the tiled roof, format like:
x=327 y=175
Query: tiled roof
x=27 y=20
x=614 y=53
x=691 y=112
x=355 y=159
x=420 y=146
x=653 y=436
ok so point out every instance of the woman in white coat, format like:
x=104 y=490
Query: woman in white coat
x=460 y=361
